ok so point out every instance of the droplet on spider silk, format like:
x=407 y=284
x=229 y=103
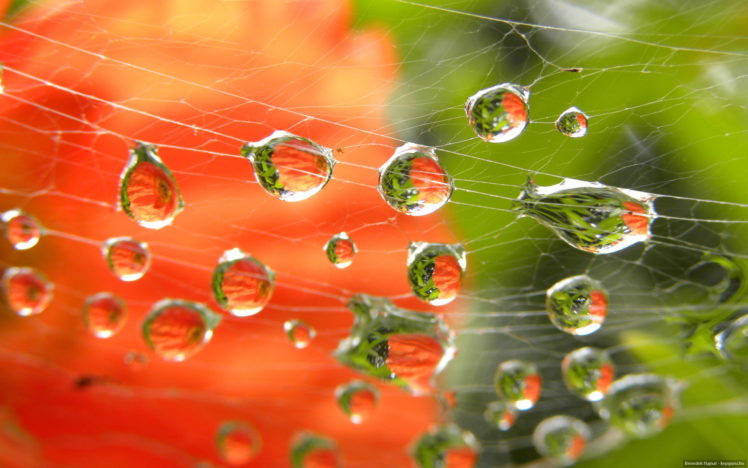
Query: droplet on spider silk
x=176 y=329
x=340 y=250
x=413 y=181
x=499 y=113
x=561 y=438
x=237 y=442
x=402 y=347
x=588 y=215
x=588 y=373
x=357 y=399
x=290 y=167
x=241 y=284
x=127 y=258
x=104 y=314
x=136 y=360
x=518 y=383
x=572 y=122
x=309 y=450
x=27 y=291
x=148 y=192
x=500 y=414
x=22 y=230
x=446 y=446
x=299 y=332
x=435 y=271
x=577 y=305
x=732 y=341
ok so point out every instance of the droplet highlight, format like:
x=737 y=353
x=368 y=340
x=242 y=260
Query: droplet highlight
x=176 y=329
x=357 y=399
x=561 y=438
x=588 y=373
x=309 y=450
x=500 y=415
x=237 y=443
x=435 y=271
x=242 y=284
x=22 y=230
x=104 y=314
x=340 y=250
x=27 y=291
x=518 y=383
x=299 y=333
x=446 y=446
x=499 y=113
x=572 y=123
x=577 y=305
x=127 y=258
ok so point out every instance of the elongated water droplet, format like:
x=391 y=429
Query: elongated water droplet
x=500 y=414
x=340 y=250
x=104 y=314
x=27 y=291
x=588 y=373
x=136 y=360
x=732 y=342
x=446 y=446
x=176 y=329
x=499 y=113
x=22 y=230
x=237 y=442
x=572 y=122
x=148 y=192
x=435 y=271
x=403 y=347
x=413 y=181
x=310 y=450
x=518 y=383
x=299 y=332
x=577 y=305
x=357 y=399
x=561 y=438
x=127 y=258
x=242 y=284
x=590 y=216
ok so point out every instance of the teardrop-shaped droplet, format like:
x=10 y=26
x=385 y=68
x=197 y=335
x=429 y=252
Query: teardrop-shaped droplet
x=732 y=341
x=500 y=414
x=357 y=399
x=310 y=450
x=136 y=360
x=299 y=332
x=27 y=291
x=577 y=305
x=22 y=230
x=561 y=438
x=590 y=216
x=572 y=122
x=435 y=271
x=499 y=113
x=242 y=284
x=127 y=258
x=290 y=167
x=176 y=329
x=518 y=383
x=104 y=314
x=237 y=442
x=413 y=181
x=588 y=373
x=148 y=192
x=446 y=446
x=340 y=250
x=403 y=347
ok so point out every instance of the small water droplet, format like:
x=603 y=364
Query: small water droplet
x=561 y=438
x=572 y=122
x=127 y=258
x=27 y=291
x=242 y=284
x=588 y=373
x=176 y=329
x=237 y=442
x=136 y=360
x=500 y=415
x=518 y=383
x=357 y=399
x=310 y=450
x=435 y=271
x=446 y=446
x=732 y=342
x=22 y=230
x=499 y=113
x=413 y=181
x=300 y=333
x=340 y=250
x=104 y=314
x=577 y=305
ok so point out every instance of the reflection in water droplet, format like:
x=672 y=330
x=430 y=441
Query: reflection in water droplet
x=299 y=332
x=435 y=271
x=572 y=122
x=732 y=342
x=588 y=373
x=500 y=113
x=577 y=305
x=561 y=438
x=176 y=329
x=27 y=291
x=500 y=415
x=310 y=450
x=357 y=399
x=22 y=230
x=242 y=284
x=237 y=442
x=126 y=257
x=446 y=446
x=340 y=250
x=135 y=360
x=518 y=383
x=104 y=314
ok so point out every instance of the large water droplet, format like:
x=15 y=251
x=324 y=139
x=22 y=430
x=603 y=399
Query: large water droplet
x=242 y=284
x=435 y=271
x=357 y=399
x=413 y=181
x=499 y=113
x=310 y=450
x=299 y=332
x=561 y=438
x=148 y=192
x=104 y=314
x=577 y=305
x=237 y=442
x=518 y=383
x=732 y=342
x=590 y=216
x=588 y=373
x=27 y=291
x=572 y=122
x=127 y=258
x=403 y=347
x=22 y=230
x=446 y=446
x=176 y=329
x=340 y=250
x=500 y=414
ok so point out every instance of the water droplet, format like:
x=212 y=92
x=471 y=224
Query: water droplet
x=561 y=438
x=22 y=230
x=732 y=342
x=413 y=181
x=518 y=383
x=340 y=250
x=290 y=167
x=135 y=360
x=300 y=333
x=104 y=314
x=577 y=305
x=446 y=446
x=588 y=373
x=310 y=450
x=357 y=399
x=730 y=284
x=500 y=414
x=129 y=259
x=27 y=291
x=148 y=192
x=176 y=329
x=572 y=122
x=590 y=216
x=237 y=442
x=435 y=271
x=499 y=113
x=403 y=347
x=242 y=284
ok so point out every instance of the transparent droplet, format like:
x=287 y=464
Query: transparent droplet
x=413 y=181
x=403 y=347
x=357 y=399
x=176 y=329
x=237 y=442
x=435 y=271
x=588 y=373
x=446 y=446
x=500 y=414
x=104 y=314
x=27 y=291
x=310 y=450
x=518 y=383
x=340 y=250
x=732 y=281
x=299 y=332
x=22 y=230
x=499 y=113
x=136 y=360
x=577 y=305
x=290 y=167
x=127 y=258
x=561 y=438
x=590 y=216
x=572 y=122
x=732 y=342
x=242 y=284
x=148 y=192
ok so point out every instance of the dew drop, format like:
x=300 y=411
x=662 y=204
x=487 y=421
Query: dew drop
x=104 y=314
x=176 y=329
x=500 y=414
x=732 y=342
x=22 y=230
x=588 y=373
x=435 y=271
x=499 y=113
x=577 y=305
x=242 y=284
x=340 y=250
x=413 y=181
x=518 y=383
x=309 y=450
x=299 y=332
x=572 y=122
x=446 y=446
x=127 y=258
x=27 y=291
x=136 y=360
x=357 y=399
x=237 y=442
x=561 y=438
